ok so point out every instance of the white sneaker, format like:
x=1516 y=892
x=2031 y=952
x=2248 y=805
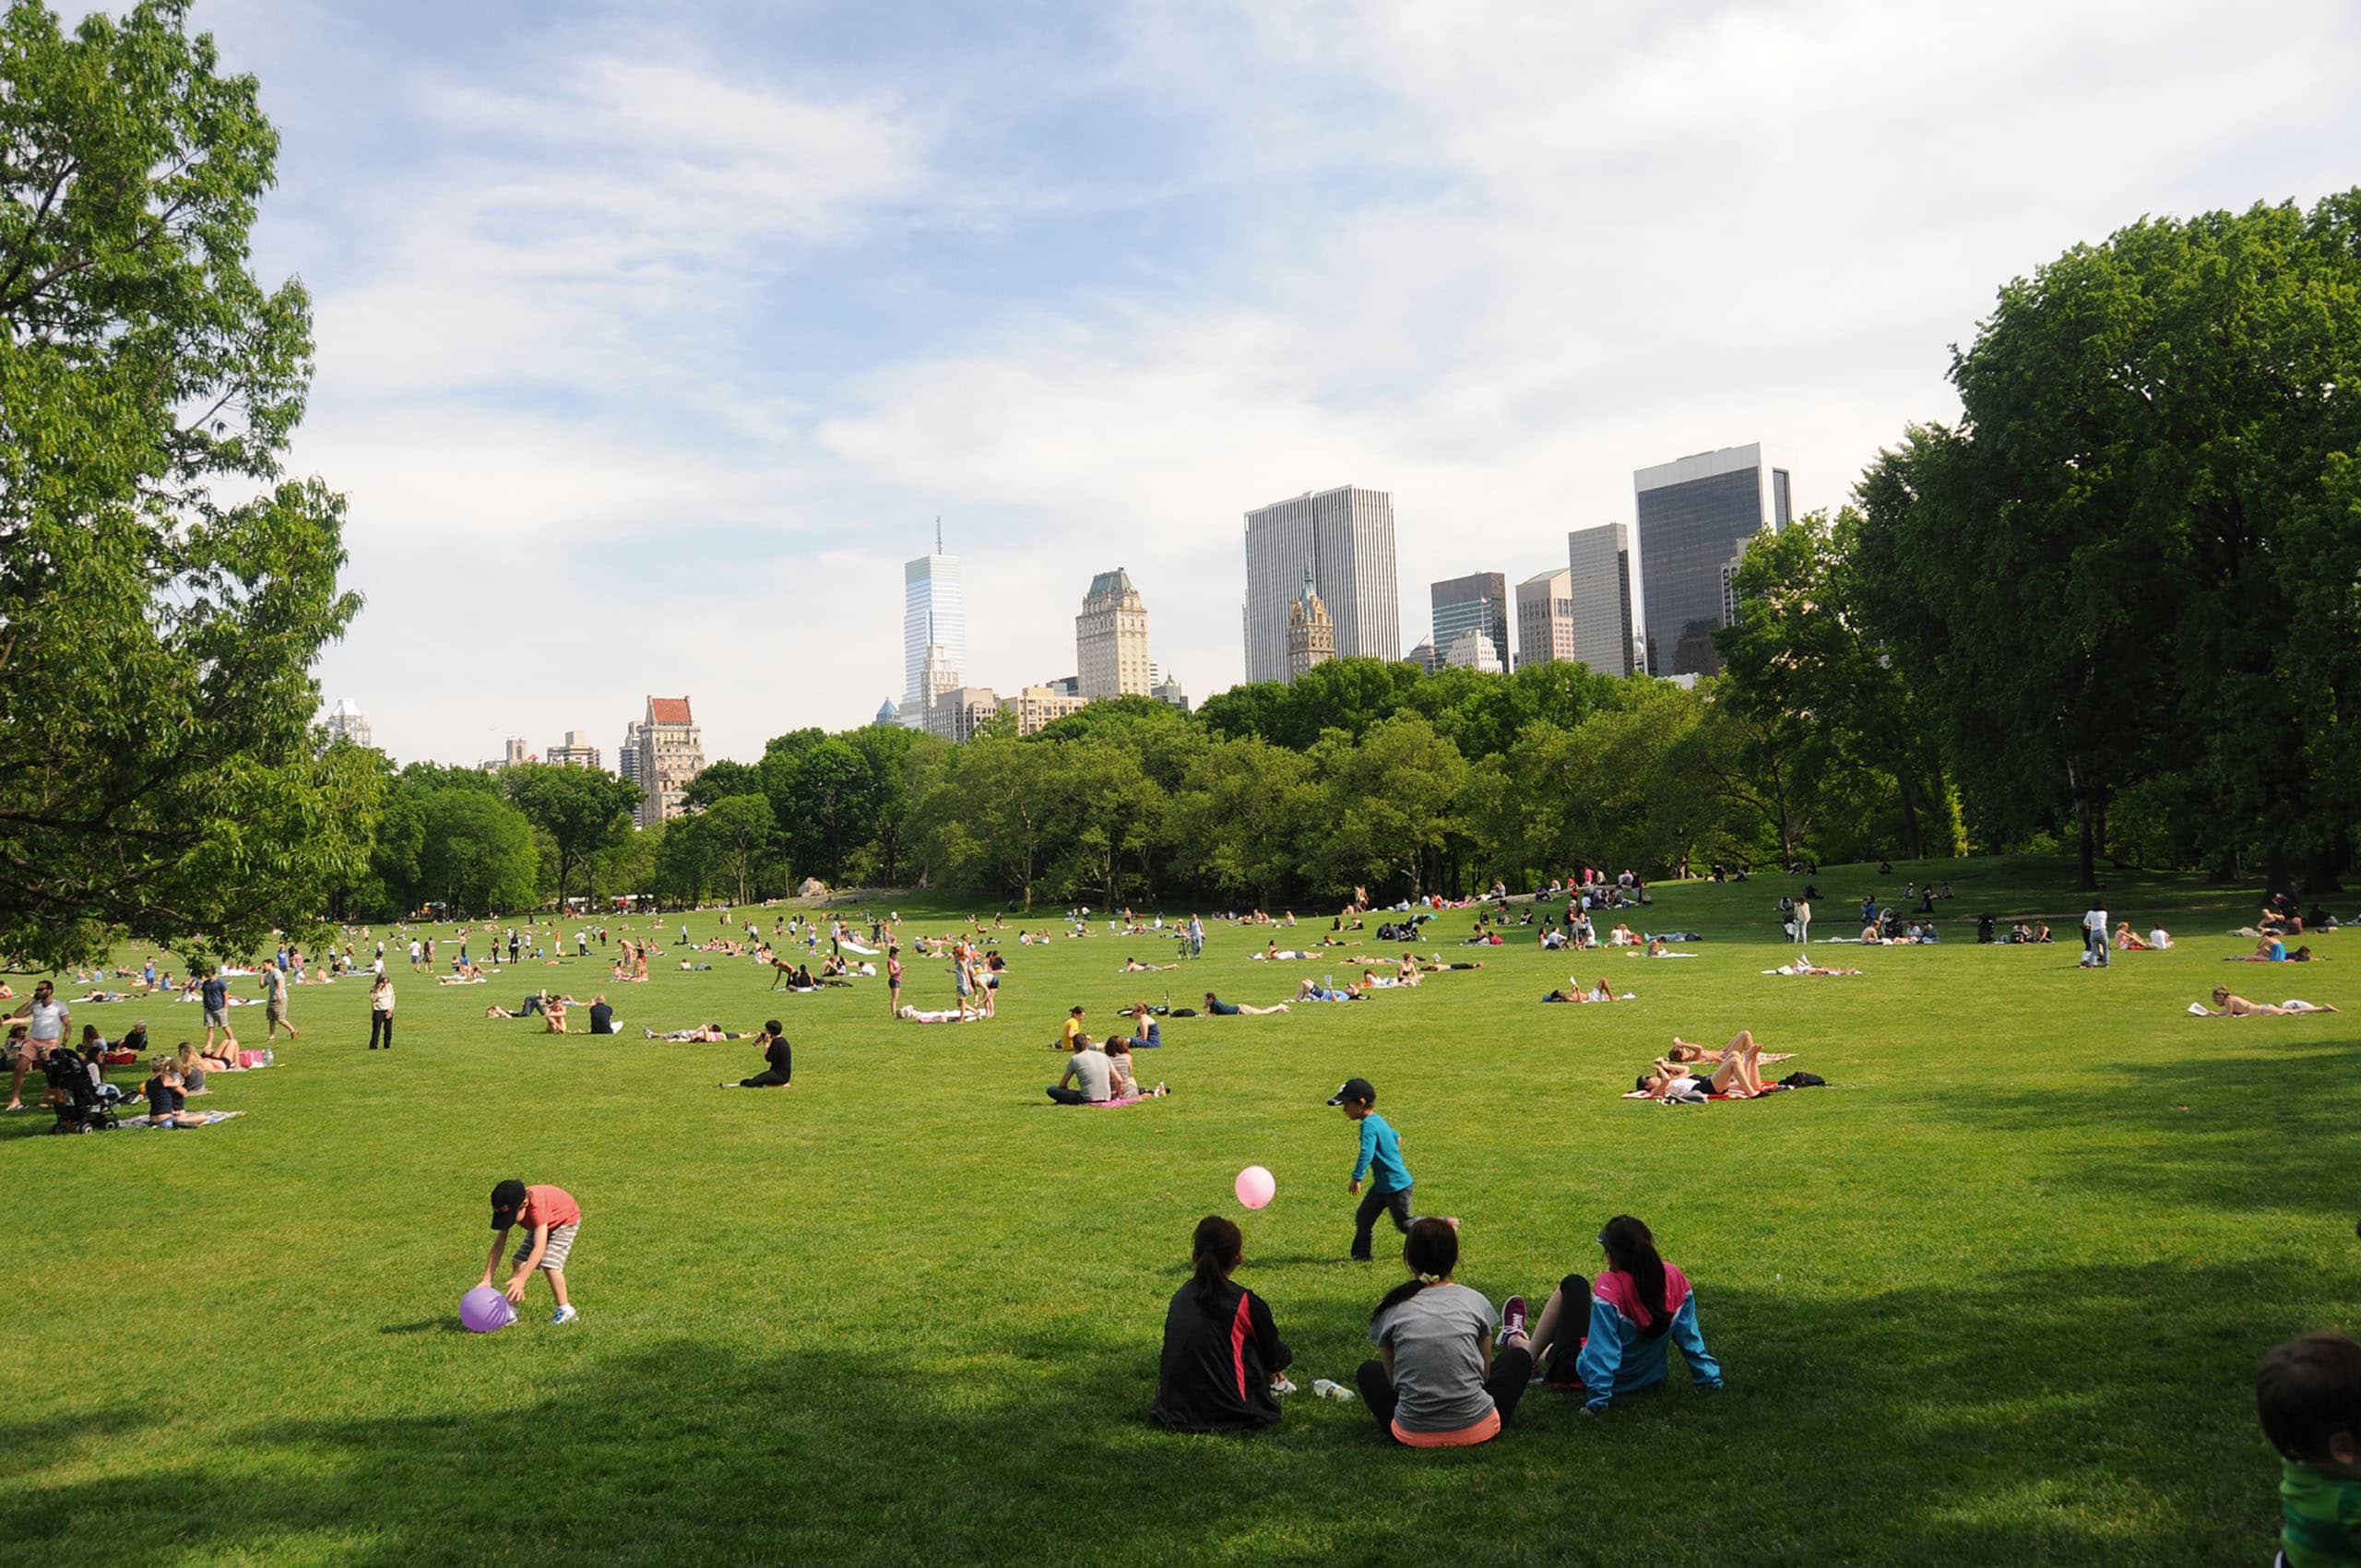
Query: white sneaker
x=563 y=1314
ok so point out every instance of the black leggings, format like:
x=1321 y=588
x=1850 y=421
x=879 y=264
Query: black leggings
x=1573 y=1322
x=771 y=1078
x=1512 y=1366
x=380 y=1025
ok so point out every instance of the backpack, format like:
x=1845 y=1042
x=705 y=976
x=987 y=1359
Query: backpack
x=1803 y=1081
x=1182 y=1013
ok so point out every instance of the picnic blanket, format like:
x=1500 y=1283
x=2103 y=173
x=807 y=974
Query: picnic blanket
x=210 y=1118
x=849 y=945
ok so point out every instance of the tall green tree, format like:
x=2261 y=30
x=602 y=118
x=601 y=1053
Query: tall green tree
x=156 y=766
x=583 y=810
x=478 y=856
x=738 y=828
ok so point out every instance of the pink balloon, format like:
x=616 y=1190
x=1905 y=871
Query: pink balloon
x=485 y=1309
x=1256 y=1186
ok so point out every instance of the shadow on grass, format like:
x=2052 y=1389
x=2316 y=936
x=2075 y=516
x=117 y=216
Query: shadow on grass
x=425 y=1325
x=2092 y=1415
x=2236 y=1133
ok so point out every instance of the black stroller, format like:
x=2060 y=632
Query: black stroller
x=81 y=1109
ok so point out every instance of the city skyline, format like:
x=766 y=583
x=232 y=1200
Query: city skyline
x=695 y=321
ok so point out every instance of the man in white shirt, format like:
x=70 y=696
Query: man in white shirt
x=46 y=1021
x=2094 y=941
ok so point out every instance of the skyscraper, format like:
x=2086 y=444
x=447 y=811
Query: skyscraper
x=1312 y=631
x=1110 y=639
x=1693 y=513
x=345 y=722
x=1480 y=600
x=575 y=751
x=627 y=754
x=1600 y=598
x=1345 y=538
x=934 y=616
x=1545 y=618
x=1473 y=649
x=672 y=753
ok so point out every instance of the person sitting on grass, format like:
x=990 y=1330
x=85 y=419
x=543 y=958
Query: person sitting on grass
x=1224 y=1364
x=778 y=1064
x=190 y=1069
x=554 y=1014
x=1146 y=1036
x=1218 y=1008
x=1608 y=1337
x=1089 y=1068
x=167 y=1102
x=1737 y=1074
x=2128 y=940
x=2160 y=939
x=1441 y=1379
x=2235 y=1006
x=2308 y=1398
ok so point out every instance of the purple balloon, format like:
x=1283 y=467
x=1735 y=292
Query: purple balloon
x=485 y=1309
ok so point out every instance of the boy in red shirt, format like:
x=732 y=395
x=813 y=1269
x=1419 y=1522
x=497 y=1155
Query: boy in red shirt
x=551 y=1218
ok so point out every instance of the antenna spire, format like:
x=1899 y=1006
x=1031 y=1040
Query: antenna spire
x=938 y=536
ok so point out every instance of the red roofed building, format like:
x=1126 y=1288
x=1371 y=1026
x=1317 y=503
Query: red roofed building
x=672 y=753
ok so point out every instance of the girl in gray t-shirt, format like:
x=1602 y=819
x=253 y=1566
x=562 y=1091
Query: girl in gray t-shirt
x=1443 y=1380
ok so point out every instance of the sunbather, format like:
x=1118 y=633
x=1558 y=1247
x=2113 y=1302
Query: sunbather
x=1218 y=1008
x=2234 y=1006
x=703 y=1034
x=1737 y=1073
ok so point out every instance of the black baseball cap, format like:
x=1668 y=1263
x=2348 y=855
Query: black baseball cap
x=1354 y=1089
x=506 y=1199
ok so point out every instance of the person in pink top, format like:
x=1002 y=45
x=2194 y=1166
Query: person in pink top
x=550 y=1218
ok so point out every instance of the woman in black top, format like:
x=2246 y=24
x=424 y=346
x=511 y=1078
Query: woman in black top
x=778 y=1069
x=1223 y=1358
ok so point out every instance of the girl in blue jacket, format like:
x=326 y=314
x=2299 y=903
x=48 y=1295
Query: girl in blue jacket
x=1608 y=1338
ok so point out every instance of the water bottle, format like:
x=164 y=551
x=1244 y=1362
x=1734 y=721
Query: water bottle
x=1328 y=1388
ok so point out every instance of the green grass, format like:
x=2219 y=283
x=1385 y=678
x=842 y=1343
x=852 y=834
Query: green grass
x=1996 y=1296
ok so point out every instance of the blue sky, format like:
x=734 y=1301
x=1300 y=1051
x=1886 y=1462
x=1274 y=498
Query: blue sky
x=652 y=339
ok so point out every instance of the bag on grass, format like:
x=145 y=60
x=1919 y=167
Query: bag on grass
x=1803 y=1081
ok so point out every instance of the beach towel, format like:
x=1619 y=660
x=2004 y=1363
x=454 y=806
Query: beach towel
x=849 y=945
x=210 y=1118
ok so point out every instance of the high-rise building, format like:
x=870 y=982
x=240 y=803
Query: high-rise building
x=1480 y=599
x=1110 y=638
x=1425 y=657
x=1344 y=538
x=1165 y=688
x=1311 y=632
x=512 y=752
x=672 y=753
x=1729 y=586
x=959 y=709
x=576 y=751
x=934 y=630
x=1693 y=513
x=1472 y=649
x=627 y=754
x=1545 y=618
x=1035 y=707
x=345 y=722
x=888 y=716
x=1601 y=598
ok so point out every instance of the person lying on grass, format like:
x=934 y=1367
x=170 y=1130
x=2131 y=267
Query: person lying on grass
x=223 y=1054
x=1133 y=967
x=1275 y=953
x=1224 y=1363
x=1600 y=992
x=1218 y=1008
x=2235 y=1006
x=1441 y=1379
x=703 y=1034
x=778 y=1065
x=1737 y=1074
x=1805 y=967
x=1608 y=1337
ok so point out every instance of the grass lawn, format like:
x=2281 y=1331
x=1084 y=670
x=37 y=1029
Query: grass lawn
x=1996 y=1296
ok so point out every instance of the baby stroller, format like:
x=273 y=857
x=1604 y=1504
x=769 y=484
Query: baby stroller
x=82 y=1109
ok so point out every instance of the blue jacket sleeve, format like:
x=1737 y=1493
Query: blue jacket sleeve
x=1602 y=1355
x=1368 y=1150
x=1703 y=1371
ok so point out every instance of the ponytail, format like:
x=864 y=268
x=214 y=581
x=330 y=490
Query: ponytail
x=1631 y=1249
x=1215 y=1250
x=1432 y=1252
